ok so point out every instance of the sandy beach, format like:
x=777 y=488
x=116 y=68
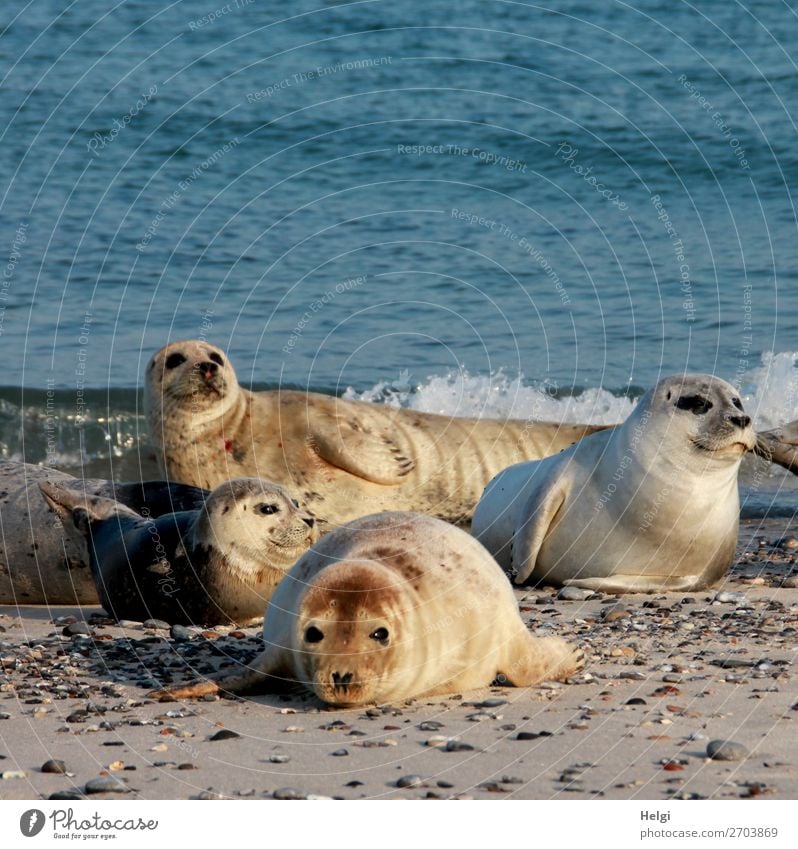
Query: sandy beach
x=667 y=675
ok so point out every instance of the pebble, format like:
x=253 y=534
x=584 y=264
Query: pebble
x=279 y=759
x=726 y=750
x=532 y=735
x=789 y=543
x=11 y=774
x=489 y=703
x=453 y=745
x=790 y=583
x=209 y=795
x=573 y=594
x=58 y=767
x=106 y=784
x=291 y=793
x=430 y=725
x=180 y=633
x=77 y=629
x=616 y=613
x=340 y=753
x=65 y=796
x=224 y=734
x=157 y=624
x=410 y=781
x=725 y=597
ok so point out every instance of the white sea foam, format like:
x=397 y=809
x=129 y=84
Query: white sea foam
x=769 y=393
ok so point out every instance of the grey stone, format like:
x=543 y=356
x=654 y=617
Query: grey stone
x=726 y=750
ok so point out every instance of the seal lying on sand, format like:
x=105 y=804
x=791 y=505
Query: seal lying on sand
x=649 y=506
x=219 y=563
x=342 y=459
x=393 y=606
x=38 y=563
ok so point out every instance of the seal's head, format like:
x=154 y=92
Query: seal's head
x=708 y=412
x=351 y=633
x=191 y=376
x=257 y=526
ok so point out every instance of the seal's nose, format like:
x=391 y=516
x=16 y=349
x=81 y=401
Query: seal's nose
x=309 y=521
x=342 y=682
x=740 y=421
x=207 y=370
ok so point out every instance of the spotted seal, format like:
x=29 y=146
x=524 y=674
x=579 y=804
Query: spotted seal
x=393 y=606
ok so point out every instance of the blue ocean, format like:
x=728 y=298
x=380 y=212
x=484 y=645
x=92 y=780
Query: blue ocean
x=475 y=208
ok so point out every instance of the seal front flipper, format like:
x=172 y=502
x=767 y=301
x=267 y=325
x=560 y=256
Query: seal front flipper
x=268 y=670
x=356 y=445
x=535 y=659
x=543 y=505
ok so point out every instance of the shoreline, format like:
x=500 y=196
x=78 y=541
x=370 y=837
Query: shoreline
x=691 y=668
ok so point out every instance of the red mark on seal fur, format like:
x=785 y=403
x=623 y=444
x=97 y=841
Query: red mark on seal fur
x=228 y=446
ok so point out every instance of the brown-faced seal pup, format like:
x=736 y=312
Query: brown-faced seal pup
x=39 y=563
x=341 y=459
x=213 y=565
x=390 y=607
x=649 y=506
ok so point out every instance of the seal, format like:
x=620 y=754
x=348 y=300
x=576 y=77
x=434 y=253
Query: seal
x=650 y=506
x=39 y=564
x=394 y=606
x=217 y=564
x=341 y=459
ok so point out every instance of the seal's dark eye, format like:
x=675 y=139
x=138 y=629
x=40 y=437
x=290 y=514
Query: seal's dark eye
x=737 y=403
x=267 y=509
x=175 y=360
x=696 y=404
x=381 y=635
x=216 y=358
x=313 y=635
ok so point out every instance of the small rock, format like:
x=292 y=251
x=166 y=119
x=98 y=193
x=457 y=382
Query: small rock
x=57 y=767
x=635 y=701
x=186 y=766
x=209 y=795
x=725 y=597
x=224 y=734
x=790 y=543
x=573 y=594
x=279 y=759
x=490 y=703
x=180 y=633
x=790 y=583
x=287 y=793
x=340 y=753
x=430 y=725
x=457 y=746
x=405 y=781
x=532 y=735
x=616 y=613
x=77 y=629
x=106 y=784
x=66 y=796
x=156 y=624
x=726 y=750
x=11 y=774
